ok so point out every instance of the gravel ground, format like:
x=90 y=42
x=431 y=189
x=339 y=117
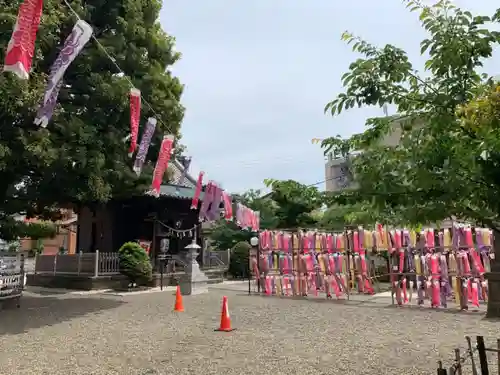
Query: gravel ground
x=97 y=334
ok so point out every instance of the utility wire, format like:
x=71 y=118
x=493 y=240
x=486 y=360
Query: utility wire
x=143 y=100
x=113 y=60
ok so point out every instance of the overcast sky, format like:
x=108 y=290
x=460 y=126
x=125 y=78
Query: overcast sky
x=258 y=74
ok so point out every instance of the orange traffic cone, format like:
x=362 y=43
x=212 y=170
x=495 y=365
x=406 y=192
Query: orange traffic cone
x=179 y=306
x=225 y=320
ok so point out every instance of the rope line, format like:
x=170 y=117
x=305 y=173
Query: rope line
x=113 y=60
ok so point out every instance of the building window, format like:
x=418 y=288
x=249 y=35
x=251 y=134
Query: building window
x=341 y=176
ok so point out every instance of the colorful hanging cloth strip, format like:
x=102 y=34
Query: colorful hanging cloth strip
x=135 y=115
x=21 y=47
x=142 y=153
x=73 y=45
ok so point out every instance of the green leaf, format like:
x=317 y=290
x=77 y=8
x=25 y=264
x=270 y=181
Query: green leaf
x=424 y=45
x=439 y=157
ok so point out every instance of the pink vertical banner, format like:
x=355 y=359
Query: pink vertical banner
x=162 y=164
x=197 y=192
x=21 y=47
x=135 y=115
x=146 y=245
x=228 y=206
x=208 y=198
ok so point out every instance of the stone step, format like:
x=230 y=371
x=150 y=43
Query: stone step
x=214 y=275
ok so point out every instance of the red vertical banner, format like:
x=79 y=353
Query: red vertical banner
x=135 y=116
x=146 y=245
x=162 y=163
x=197 y=192
x=228 y=206
x=21 y=47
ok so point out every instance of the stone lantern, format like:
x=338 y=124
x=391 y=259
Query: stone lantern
x=195 y=281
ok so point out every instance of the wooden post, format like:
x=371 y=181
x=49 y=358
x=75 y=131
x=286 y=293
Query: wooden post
x=493 y=277
x=22 y=271
x=483 y=360
x=79 y=262
x=441 y=370
x=471 y=352
x=498 y=355
x=347 y=252
x=458 y=362
x=96 y=264
x=250 y=252
x=55 y=264
x=152 y=250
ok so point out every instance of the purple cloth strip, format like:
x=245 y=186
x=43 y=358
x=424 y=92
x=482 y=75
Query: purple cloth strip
x=72 y=47
x=142 y=152
x=213 y=212
x=207 y=200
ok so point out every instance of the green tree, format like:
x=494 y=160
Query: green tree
x=337 y=216
x=295 y=202
x=81 y=157
x=447 y=163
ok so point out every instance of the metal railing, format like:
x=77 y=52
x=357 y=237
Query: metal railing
x=467 y=361
x=93 y=264
x=107 y=263
x=216 y=259
x=174 y=263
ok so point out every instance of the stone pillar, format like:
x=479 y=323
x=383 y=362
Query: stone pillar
x=493 y=278
x=195 y=281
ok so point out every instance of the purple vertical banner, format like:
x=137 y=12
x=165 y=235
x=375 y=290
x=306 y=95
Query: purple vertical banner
x=72 y=47
x=208 y=198
x=144 y=145
x=185 y=162
x=214 y=212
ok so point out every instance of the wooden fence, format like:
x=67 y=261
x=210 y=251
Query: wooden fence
x=93 y=264
x=477 y=359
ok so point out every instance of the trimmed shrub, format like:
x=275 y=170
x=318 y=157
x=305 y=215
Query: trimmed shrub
x=135 y=264
x=238 y=263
